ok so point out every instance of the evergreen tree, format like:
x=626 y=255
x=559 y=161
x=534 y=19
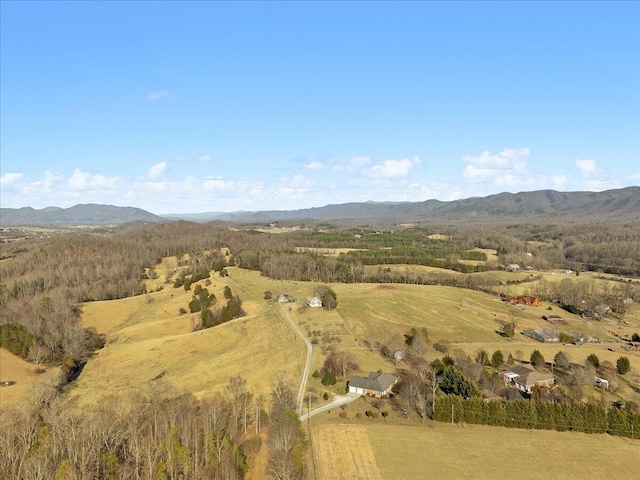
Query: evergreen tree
x=622 y=365
x=537 y=358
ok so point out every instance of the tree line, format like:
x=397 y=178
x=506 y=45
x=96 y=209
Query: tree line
x=155 y=433
x=621 y=419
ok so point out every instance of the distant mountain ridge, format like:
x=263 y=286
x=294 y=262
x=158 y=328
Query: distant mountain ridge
x=541 y=205
x=83 y=214
x=531 y=206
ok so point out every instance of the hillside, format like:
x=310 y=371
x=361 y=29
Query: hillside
x=84 y=214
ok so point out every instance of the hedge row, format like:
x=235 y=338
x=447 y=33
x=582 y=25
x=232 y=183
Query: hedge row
x=587 y=418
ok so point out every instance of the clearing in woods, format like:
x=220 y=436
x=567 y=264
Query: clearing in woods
x=438 y=450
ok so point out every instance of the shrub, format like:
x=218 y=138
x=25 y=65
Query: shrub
x=227 y=292
x=497 y=359
x=442 y=346
x=343 y=414
x=329 y=378
x=593 y=360
x=268 y=295
x=622 y=365
x=537 y=358
x=325 y=396
x=315 y=374
x=194 y=305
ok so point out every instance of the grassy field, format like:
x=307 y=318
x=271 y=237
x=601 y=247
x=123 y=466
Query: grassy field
x=147 y=337
x=15 y=369
x=372 y=311
x=439 y=450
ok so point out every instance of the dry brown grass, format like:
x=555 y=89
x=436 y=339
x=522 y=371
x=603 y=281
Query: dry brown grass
x=343 y=452
x=439 y=450
x=148 y=339
x=15 y=369
x=257 y=348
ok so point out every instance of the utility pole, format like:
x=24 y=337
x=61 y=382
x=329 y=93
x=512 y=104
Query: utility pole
x=451 y=414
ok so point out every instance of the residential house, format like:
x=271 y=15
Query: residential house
x=526 y=300
x=314 y=302
x=285 y=298
x=530 y=301
x=524 y=378
x=377 y=384
x=513 y=267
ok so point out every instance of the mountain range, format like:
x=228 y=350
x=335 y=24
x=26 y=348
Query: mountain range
x=542 y=205
x=84 y=214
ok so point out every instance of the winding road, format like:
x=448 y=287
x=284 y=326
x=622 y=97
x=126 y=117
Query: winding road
x=338 y=400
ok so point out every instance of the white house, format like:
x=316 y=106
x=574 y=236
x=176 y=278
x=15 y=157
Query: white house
x=314 y=302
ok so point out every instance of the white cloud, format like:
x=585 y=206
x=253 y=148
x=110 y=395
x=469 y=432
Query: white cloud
x=217 y=184
x=394 y=168
x=486 y=165
x=351 y=164
x=158 y=95
x=81 y=180
x=50 y=180
x=78 y=179
x=204 y=158
x=10 y=179
x=314 y=166
x=586 y=167
x=508 y=170
x=157 y=170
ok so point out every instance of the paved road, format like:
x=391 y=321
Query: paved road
x=337 y=401
x=305 y=374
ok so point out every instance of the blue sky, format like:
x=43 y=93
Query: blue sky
x=180 y=107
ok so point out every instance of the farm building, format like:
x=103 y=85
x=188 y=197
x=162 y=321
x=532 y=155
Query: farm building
x=375 y=385
x=544 y=335
x=314 y=302
x=285 y=298
x=555 y=319
x=524 y=378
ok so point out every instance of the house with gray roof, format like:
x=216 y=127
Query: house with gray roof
x=377 y=384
